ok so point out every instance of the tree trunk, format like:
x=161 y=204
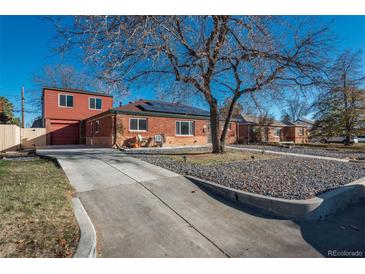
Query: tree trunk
x=214 y=128
x=227 y=121
x=348 y=137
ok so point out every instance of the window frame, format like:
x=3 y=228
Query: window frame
x=191 y=128
x=96 y=98
x=66 y=95
x=301 y=131
x=138 y=119
x=275 y=131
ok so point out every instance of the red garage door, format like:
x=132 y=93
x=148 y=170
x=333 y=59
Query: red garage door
x=64 y=134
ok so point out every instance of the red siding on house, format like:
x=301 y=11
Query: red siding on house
x=54 y=115
x=79 y=111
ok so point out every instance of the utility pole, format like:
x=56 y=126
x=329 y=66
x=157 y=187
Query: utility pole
x=22 y=107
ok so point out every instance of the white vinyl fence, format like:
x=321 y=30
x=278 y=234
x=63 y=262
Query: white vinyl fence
x=13 y=137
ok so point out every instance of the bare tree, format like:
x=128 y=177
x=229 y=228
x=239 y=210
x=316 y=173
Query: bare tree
x=67 y=76
x=341 y=107
x=296 y=108
x=63 y=76
x=217 y=56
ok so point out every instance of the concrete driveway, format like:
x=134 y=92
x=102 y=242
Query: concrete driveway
x=140 y=210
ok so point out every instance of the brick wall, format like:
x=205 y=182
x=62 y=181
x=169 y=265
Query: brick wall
x=156 y=126
x=104 y=137
x=294 y=134
x=268 y=134
x=162 y=125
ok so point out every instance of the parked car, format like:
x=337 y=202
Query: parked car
x=337 y=139
x=361 y=139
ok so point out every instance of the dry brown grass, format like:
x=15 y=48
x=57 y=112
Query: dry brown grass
x=335 y=146
x=37 y=218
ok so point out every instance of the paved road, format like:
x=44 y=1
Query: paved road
x=140 y=210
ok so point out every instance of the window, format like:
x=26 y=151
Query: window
x=95 y=103
x=277 y=131
x=185 y=128
x=301 y=131
x=138 y=124
x=65 y=100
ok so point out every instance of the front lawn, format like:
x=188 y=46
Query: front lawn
x=37 y=218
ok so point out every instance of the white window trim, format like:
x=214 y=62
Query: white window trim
x=95 y=103
x=98 y=126
x=138 y=130
x=59 y=100
x=182 y=135
x=275 y=131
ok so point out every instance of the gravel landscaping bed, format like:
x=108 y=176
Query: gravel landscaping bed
x=285 y=177
x=335 y=153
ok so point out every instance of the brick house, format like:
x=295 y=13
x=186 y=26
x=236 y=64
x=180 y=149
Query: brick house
x=297 y=132
x=152 y=122
x=64 y=112
x=73 y=116
x=254 y=129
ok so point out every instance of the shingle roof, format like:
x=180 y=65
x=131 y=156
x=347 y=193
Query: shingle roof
x=162 y=107
x=255 y=120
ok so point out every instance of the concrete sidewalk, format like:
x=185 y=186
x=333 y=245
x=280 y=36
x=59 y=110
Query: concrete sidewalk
x=140 y=210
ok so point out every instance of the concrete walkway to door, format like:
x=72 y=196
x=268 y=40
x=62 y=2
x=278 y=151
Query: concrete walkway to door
x=140 y=210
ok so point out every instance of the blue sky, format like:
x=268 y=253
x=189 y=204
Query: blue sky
x=26 y=47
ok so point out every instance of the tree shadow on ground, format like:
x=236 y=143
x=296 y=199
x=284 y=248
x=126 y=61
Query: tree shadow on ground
x=342 y=235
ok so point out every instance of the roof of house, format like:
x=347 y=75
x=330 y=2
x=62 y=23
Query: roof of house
x=305 y=121
x=37 y=123
x=154 y=106
x=297 y=123
x=255 y=120
x=78 y=91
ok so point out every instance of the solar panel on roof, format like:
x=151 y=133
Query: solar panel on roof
x=173 y=108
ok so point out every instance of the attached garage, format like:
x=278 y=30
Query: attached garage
x=63 y=133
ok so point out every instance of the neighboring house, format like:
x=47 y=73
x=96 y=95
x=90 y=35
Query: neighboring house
x=152 y=121
x=308 y=123
x=255 y=129
x=64 y=112
x=297 y=132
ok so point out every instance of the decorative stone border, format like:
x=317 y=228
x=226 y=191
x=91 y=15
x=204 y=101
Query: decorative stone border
x=290 y=154
x=87 y=242
x=316 y=208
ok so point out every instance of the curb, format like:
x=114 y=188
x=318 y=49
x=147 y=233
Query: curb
x=317 y=208
x=291 y=154
x=87 y=242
